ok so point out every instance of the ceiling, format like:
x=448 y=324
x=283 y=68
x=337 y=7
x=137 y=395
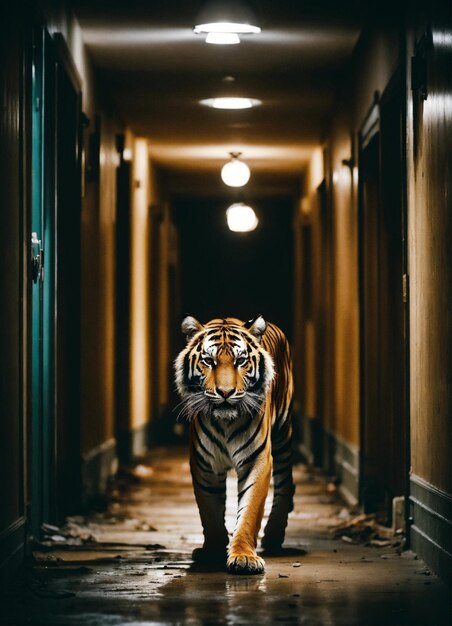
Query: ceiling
x=158 y=70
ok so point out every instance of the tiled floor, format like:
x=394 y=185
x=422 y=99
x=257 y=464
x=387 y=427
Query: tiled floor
x=140 y=571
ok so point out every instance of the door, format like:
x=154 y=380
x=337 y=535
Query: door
x=55 y=461
x=42 y=504
x=384 y=429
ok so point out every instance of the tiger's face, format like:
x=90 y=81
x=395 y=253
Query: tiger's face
x=223 y=371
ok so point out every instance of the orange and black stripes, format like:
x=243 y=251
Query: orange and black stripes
x=240 y=414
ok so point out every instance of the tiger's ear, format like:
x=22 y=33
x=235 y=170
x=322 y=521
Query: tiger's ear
x=190 y=326
x=257 y=327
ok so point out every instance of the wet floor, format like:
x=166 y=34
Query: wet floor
x=131 y=565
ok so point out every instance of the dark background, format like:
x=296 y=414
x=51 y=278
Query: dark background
x=236 y=274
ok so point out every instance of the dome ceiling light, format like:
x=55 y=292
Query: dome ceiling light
x=231 y=103
x=241 y=218
x=235 y=173
x=223 y=39
x=219 y=18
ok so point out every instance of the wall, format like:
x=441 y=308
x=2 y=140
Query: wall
x=309 y=294
x=329 y=342
x=13 y=300
x=97 y=262
x=429 y=162
x=430 y=232
x=162 y=344
x=375 y=59
x=151 y=256
x=139 y=297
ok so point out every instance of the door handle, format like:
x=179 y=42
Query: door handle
x=37 y=257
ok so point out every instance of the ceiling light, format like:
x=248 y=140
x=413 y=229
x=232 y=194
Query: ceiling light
x=231 y=103
x=241 y=218
x=235 y=173
x=226 y=27
x=226 y=16
x=228 y=39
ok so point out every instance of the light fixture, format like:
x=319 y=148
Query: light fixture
x=226 y=17
x=223 y=39
x=241 y=218
x=235 y=173
x=231 y=103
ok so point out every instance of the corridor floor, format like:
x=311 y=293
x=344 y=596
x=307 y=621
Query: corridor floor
x=131 y=565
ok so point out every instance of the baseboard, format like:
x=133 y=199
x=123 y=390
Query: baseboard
x=342 y=459
x=431 y=527
x=98 y=465
x=12 y=549
x=133 y=443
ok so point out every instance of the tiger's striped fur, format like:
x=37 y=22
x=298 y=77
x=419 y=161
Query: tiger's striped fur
x=235 y=381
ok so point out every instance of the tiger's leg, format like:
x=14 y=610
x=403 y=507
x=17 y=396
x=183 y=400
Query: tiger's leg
x=283 y=488
x=210 y=493
x=253 y=484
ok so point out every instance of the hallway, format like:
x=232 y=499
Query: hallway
x=134 y=565
x=288 y=164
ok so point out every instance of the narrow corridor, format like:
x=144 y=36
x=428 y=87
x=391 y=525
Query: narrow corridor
x=131 y=564
x=120 y=125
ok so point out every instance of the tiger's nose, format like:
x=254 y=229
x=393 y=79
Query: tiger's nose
x=225 y=391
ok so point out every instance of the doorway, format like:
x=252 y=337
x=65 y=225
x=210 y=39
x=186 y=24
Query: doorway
x=384 y=338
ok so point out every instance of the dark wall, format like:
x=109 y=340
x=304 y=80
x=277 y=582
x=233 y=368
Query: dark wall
x=236 y=274
x=430 y=284
x=11 y=225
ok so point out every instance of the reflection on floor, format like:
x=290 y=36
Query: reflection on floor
x=131 y=565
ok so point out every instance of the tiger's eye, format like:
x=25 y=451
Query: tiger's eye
x=241 y=361
x=207 y=360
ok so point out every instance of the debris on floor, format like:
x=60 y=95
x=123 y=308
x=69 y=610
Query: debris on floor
x=73 y=533
x=113 y=567
x=365 y=529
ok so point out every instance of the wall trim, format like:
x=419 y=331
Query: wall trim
x=342 y=458
x=12 y=548
x=431 y=528
x=97 y=466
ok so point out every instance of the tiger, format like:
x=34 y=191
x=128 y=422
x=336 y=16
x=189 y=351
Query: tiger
x=236 y=385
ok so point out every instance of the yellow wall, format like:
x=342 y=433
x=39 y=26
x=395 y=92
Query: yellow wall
x=139 y=288
x=150 y=358
x=346 y=301
x=98 y=298
x=307 y=217
x=163 y=346
x=429 y=256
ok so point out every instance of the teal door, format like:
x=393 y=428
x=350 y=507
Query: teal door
x=42 y=285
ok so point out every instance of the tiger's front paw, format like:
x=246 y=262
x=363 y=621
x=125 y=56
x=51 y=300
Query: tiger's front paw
x=245 y=564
